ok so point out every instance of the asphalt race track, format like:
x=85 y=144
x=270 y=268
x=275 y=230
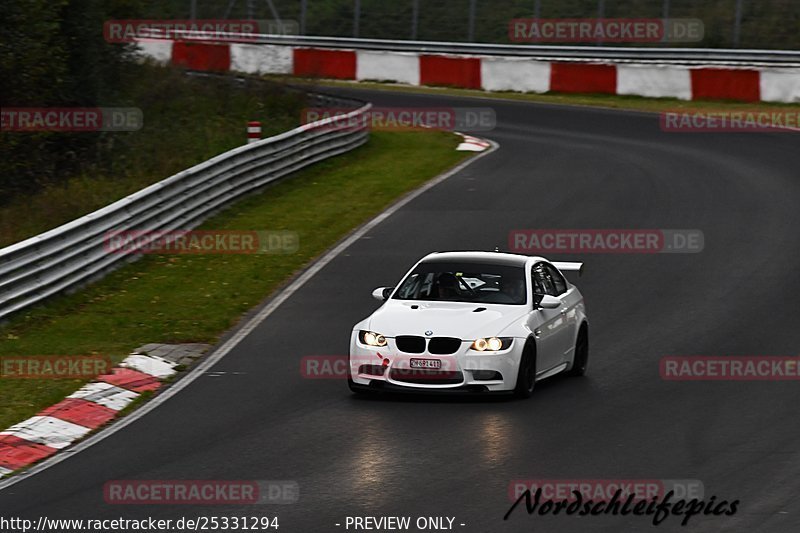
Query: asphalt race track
x=256 y=417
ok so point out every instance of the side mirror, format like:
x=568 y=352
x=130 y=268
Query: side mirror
x=382 y=293
x=549 y=302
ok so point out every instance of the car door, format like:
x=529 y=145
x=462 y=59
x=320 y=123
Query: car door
x=551 y=326
x=570 y=297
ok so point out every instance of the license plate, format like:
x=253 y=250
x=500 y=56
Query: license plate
x=426 y=363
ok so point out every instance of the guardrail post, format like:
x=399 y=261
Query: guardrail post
x=253 y=131
x=737 y=24
x=228 y=9
x=471 y=29
x=356 y=17
x=601 y=14
x=275 y=15
x=414 y=19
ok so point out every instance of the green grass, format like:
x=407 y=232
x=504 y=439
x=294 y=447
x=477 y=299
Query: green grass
x=636 y=103
x=187 y=120
x=182 y=298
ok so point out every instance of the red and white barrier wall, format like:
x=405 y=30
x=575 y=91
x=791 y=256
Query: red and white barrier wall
x=489 y=73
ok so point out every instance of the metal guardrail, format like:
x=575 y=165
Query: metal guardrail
x=75 y=254
x=618 y=54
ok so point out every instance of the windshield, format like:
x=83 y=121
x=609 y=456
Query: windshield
x=464 y=282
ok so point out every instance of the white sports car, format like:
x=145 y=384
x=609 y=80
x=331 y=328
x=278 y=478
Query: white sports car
x=472 y=321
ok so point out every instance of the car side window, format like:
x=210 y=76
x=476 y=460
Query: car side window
x=559 y=283
x=542 y=284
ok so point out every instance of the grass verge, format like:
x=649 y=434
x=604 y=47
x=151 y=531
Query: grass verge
x=187 y=120
x=635 y=103
x=183 y=298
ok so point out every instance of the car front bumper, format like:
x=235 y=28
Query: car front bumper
x=387 y=368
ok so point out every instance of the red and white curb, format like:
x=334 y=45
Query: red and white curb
x=472 y=144
x=149 y=364
x=90 y=407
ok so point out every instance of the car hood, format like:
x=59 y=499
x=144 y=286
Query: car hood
x=444 y=319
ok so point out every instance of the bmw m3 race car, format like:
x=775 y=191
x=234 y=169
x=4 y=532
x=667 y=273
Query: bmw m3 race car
x=472 y=322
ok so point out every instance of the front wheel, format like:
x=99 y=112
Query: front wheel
x=526 y=377
x=581 y=358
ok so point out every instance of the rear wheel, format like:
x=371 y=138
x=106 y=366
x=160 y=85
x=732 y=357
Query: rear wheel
x=526 y=377
x=581 y=359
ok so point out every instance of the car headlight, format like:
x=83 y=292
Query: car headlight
x=491 y=344
x=370 y=338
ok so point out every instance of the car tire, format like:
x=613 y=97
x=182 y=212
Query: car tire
x=581 y=359
x=526 y=376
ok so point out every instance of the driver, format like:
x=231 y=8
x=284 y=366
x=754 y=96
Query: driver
x=513 y=288
x=448 y=286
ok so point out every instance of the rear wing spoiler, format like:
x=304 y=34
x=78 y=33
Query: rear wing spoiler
x=569 y=267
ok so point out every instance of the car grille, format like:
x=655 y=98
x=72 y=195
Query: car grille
x=436 y=345
x=410 y=343
x=426 y=377
x=444 y=345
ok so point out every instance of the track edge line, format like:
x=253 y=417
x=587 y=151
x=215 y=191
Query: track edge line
x=273 y=302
